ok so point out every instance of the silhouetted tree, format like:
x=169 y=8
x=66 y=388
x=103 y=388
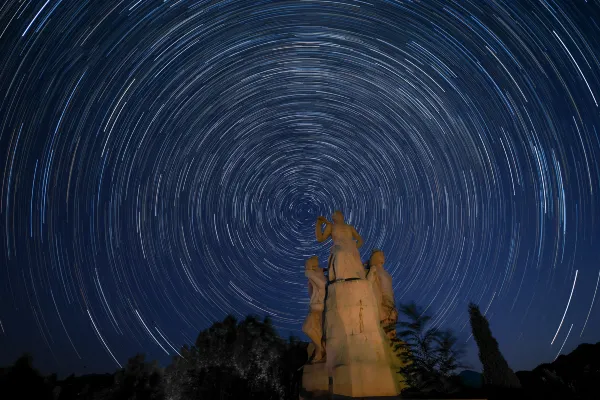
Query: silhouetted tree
x=86 y=387
x=431 y=355
x=178 y=376
x=419 y=354
x=231 y=360
x=449 y=353
x=139 y=380
x=22 y=381
x=293 y=358
x=496 y=371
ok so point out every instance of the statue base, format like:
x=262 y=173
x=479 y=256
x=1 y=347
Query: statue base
x=359 y=357
x=315 y=381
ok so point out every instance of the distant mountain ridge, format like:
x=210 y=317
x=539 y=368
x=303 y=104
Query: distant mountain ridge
x=575 y=375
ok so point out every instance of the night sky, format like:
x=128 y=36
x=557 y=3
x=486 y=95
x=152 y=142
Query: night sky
x=162 y=164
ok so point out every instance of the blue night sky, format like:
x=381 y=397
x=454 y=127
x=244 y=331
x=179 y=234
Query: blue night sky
x=162 y=164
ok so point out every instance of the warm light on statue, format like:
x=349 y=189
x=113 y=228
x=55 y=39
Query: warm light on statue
x=357 y=311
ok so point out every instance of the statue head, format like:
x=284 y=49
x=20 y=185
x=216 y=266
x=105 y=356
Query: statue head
x=312 y=264
x=377 y=257
x=337 y=217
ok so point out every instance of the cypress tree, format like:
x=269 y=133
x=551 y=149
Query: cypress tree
x=496 y=371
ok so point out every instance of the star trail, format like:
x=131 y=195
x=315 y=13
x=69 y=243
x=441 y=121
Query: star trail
x=163 y=164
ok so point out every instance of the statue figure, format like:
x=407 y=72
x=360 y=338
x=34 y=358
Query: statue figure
x=313 y=324
x=384 y=292
x=344 y=261
x=360 y=361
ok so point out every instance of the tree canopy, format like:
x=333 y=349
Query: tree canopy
x=431 y=354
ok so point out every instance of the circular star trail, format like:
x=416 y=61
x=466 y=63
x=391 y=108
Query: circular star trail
x=164 y=162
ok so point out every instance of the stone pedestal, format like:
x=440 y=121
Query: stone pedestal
x=359 y=357
x=315 y=381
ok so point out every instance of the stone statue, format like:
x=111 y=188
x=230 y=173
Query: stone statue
x=384 y=292
x=344 y=261
x=313 y=324
x=359 y=361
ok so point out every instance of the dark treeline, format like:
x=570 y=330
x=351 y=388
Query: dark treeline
x=248 y=360
x=230 y=360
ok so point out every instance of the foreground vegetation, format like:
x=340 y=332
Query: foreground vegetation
x=248 y=360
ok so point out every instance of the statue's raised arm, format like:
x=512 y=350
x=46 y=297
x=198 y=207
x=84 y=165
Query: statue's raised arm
x=322 y=234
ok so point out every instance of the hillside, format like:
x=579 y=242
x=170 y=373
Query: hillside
x=575 y=375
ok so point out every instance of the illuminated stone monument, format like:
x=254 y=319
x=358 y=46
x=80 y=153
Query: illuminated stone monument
x=384 y=292
x=357 y=360
x=314 y=376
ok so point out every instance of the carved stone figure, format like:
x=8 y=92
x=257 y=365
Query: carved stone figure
x=381 y=282
x=344 y=261
x=359 y=360
x=384 y=292
x=313 y=324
